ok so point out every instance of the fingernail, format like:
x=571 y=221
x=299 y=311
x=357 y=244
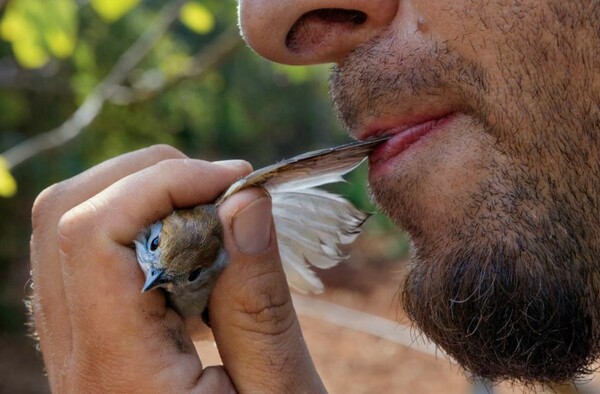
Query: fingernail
x=252 y=227
x=232 y=163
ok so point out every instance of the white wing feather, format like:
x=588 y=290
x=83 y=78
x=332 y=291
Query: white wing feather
x=312 y=224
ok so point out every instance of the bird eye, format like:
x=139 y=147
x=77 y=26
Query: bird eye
x=154 y=244
x=194 y=274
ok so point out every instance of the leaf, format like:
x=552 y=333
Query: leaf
x=60 y=44
x=197 y=17
x=84 y=57
x=60 y=30
x=29 y=54
x=113 y=10
x=8 y=185
x=295 y=74
x=14 y=25
x=38 y=29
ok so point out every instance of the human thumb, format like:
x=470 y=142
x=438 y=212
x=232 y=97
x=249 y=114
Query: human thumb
x=252 y=316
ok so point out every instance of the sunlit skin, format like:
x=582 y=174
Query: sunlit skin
x=493 y=168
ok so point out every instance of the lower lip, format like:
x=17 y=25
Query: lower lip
x=402 y=141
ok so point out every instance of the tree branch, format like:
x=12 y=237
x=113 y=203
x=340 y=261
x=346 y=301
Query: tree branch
x=225 y=45
x=366 y=323
x=95 y=101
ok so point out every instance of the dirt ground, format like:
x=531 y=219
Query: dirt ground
x=353 y=362
x=349 y=360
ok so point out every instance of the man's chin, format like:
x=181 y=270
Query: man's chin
x=502 y=317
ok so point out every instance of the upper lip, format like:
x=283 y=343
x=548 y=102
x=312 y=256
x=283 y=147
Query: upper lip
x=390 y=125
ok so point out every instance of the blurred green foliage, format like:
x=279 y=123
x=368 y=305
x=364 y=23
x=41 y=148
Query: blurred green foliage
x=244 y=108
x=39 y=29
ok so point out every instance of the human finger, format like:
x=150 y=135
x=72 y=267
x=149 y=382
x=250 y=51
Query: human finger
x=108 y=222
x=215 y=380
x=48 y=298
x=252 y=316
x=100 y=268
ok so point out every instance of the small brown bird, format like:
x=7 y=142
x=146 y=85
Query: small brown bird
x=184 y=254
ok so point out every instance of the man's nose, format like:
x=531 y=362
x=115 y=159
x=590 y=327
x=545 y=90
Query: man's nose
x=312 y=31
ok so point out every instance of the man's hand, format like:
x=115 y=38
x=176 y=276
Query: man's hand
x=99 y=333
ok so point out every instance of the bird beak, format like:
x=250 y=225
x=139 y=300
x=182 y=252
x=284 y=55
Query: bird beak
x=154 y=279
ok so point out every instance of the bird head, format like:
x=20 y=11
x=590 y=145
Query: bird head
x=148 y=251
x=184 y=254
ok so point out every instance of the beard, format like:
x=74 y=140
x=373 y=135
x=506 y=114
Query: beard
x=504 y=272
x=508 y=299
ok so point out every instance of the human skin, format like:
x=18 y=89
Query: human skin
x=493 y=169
x=99 y=333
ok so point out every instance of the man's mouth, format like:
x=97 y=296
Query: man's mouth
x=403 y=138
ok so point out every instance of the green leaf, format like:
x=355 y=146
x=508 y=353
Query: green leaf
x=8 y=185
x=113 y=10
x=197 y=17
x=60 y=44
x=60 y=31
x=84 y=57
x=295 y=74
x=30 y=54
x=14 y=24
x=39 y=29
x=82 y=84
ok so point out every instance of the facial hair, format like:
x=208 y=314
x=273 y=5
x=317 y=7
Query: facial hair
x=507 y=281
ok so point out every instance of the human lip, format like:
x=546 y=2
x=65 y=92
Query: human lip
x=402 y=137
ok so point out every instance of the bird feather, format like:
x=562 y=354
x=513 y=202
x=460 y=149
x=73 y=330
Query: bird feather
x=312 y=225
x=307 y=170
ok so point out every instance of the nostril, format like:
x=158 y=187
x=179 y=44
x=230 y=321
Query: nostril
x=338 y=15
x=312 y=27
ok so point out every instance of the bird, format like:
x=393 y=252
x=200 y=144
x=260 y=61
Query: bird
x=183 y=253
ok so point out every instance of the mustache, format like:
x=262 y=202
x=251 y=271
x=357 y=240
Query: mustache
x=375 y=81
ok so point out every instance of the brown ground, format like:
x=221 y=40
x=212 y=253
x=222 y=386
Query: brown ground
x=348 y=361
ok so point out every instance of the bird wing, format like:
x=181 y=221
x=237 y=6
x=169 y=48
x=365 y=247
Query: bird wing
x=307 y=170
x=311 y=224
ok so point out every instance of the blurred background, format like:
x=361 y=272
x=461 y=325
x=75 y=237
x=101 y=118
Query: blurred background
x=84 y=80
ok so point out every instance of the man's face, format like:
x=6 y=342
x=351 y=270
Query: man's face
x=494 y=166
